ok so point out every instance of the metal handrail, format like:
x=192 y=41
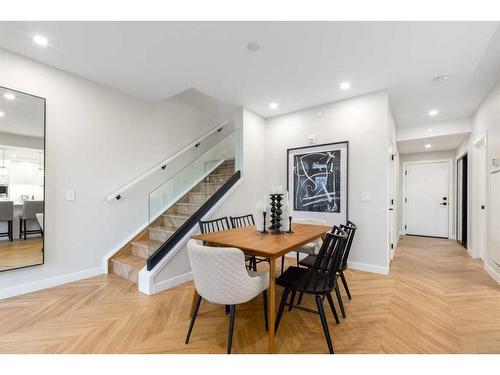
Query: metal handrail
x=161 y=166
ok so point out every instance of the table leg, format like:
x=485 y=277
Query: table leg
x=272 y=302
x=193 y=303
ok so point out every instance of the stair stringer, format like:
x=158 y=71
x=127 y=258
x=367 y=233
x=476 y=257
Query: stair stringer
x=146 y=282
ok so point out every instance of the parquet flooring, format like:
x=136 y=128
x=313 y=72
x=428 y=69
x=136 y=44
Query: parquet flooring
x=436 y=300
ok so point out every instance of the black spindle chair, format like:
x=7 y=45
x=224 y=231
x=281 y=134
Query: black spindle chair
x=350 y=230
x=246 y=221
x=320 y=280
x=220 y=224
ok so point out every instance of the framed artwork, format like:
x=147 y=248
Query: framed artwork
x=317 y=182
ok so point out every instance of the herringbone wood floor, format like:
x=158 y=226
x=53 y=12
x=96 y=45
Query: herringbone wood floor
x=436 y=300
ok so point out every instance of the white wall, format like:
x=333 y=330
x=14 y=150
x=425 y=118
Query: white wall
x=364 y=122
x=486 y=121
x=443 y=128
x=98 y=139
x=428 y=156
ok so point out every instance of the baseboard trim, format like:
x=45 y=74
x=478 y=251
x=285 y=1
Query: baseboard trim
x=174 y=281
x=368 y=268
x=491 y=271
x=50 y=282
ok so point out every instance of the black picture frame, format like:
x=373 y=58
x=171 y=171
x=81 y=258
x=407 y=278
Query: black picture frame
x=333 y=144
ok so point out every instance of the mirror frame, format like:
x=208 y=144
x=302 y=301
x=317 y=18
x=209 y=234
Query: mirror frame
x=44 y=176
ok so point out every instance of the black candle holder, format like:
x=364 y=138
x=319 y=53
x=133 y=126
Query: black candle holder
x=290 y=225
x=264 y=225
x=276 y=213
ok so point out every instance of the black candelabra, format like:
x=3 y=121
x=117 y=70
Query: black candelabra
x=276 y=213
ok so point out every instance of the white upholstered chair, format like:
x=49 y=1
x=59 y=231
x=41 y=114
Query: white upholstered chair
x=220 y=276
x=310 y=248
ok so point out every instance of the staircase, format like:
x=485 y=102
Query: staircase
x=133 y=257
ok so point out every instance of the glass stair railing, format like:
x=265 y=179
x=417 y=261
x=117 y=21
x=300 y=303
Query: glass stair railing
x=177 y=205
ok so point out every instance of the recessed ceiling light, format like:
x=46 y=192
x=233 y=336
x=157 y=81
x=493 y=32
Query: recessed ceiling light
x=9 y=96
x=273 y=105
x=429 y=129
x=433 y=112
x=345 y=85
x=40 y=40
x=253 y=47
x=427 y=145
x=14 y=155
x=2 y=114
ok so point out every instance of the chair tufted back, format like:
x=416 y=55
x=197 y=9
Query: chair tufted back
x=220 y=275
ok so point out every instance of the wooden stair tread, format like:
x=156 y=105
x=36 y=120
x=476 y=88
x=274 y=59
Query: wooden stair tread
x=132 y=261
x=150 y=244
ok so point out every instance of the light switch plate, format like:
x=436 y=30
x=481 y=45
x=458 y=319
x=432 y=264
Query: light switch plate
x=70 y=195
x=365 y=196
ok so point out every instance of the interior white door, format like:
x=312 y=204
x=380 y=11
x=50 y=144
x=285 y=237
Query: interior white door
x=427 y=201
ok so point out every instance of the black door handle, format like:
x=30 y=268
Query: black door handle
x=443 y=204
x=391 y=209
x=483 y=207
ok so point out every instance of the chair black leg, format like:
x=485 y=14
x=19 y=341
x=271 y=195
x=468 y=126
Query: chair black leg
x=11 y=235
x=281 y=308
x=339 y=299
x=193 y=318
x=282 y=264
x=254 y=261
x=20 y=228
x=321 y=311
x=297 y=258
x=227 y=309
x=292 y=300
x=344 y=282
x=232 y=313
x=300 y=298
x=25 y=230
x=264 y=296
x=332 y=306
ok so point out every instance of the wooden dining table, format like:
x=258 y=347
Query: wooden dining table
x=266 y=245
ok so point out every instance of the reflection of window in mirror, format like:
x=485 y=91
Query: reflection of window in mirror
x=22 y=178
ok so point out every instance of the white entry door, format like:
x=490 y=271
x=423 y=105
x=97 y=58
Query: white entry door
x=427 y=201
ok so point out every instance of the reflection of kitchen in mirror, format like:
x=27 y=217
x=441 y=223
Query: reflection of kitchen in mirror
x=22 y=141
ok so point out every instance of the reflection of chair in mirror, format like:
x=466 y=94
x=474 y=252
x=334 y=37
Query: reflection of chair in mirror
x=30 y=209
x=7 y=214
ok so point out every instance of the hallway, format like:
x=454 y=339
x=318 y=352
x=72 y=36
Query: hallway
x=436 y=300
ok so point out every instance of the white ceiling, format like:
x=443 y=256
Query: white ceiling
x=22 y=116
x=440 y=143
x=298 y=65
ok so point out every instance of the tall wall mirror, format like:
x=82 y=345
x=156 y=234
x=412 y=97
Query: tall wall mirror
x=22 y=181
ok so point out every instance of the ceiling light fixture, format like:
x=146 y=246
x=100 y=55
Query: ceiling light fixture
x=2 y=114
x=427 y=145
x=9 y=96
x=433 y=112
x=14 y=155
x=442 y=78
x=345 y=85
x=41 y=40
x=253 y=47
x=429 y=129
x=273 y=105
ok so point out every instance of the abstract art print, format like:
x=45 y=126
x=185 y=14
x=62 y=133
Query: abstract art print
x=317 y=182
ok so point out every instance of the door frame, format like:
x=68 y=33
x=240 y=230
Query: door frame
x=476 y=252
x=451 y=196
x=464 y=157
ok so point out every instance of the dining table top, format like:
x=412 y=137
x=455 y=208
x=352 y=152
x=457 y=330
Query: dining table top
x=267 y=245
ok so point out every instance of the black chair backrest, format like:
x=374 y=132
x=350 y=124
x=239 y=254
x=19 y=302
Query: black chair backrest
x=350 y=229
x=242 y=221
x=215 y=225
x=328 y=260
